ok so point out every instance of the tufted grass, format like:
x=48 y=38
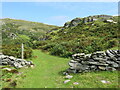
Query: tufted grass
x=47 y=73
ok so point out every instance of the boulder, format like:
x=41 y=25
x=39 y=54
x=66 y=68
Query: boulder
x=71 y=71
x=78 y=57
x=68 y=76
x=12 y=58
x=17 y=65
x=94 y=63
x=115 y=65
x=4 y=63
x=67 y=24
x=109 y=54
x=74 y=64
x=93 y=67
x=102 y=67
x=110 y=69
x=72 y=61
x=22 y=63
x=3 y=56
x=84 y=67
x=100 y=59
x=87 y=56
x=75 y=22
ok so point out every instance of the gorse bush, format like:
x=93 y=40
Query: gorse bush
x=66 y=49
x=38 y=44
x=15 y=50
x=49 y=46
x=58 y=50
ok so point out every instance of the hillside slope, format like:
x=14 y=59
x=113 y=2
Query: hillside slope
x=11 y=28
x=15 y=32
x=86 y=35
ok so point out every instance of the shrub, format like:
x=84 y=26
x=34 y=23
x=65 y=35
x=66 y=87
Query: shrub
x=49 y=46
x=15 y=50
x=58 y=50
x=88 y=49
x=112 y=43
x=38 y=44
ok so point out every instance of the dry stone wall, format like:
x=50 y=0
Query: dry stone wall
x=17 y=63
x=98 y=61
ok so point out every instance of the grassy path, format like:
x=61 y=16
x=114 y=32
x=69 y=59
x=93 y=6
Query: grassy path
x=46 y=74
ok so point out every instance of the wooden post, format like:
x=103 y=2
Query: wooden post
x=22 y=51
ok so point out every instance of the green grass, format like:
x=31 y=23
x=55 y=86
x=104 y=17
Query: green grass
x=47 y=73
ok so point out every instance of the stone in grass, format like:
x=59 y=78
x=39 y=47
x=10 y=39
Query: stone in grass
x=31 y=66
x=68 y=76
x=75 y=83
x=13 y=71
x=104 y=81
x=66 y=81
x=65 y=73
x=8 y=69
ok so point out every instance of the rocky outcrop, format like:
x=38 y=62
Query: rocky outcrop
x=10 y=60
x=67 y=24
x=98 y=61
x=103 y=16
x=77 y=21
x=72 y=23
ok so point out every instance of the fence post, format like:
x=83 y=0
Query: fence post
x=22 y=51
